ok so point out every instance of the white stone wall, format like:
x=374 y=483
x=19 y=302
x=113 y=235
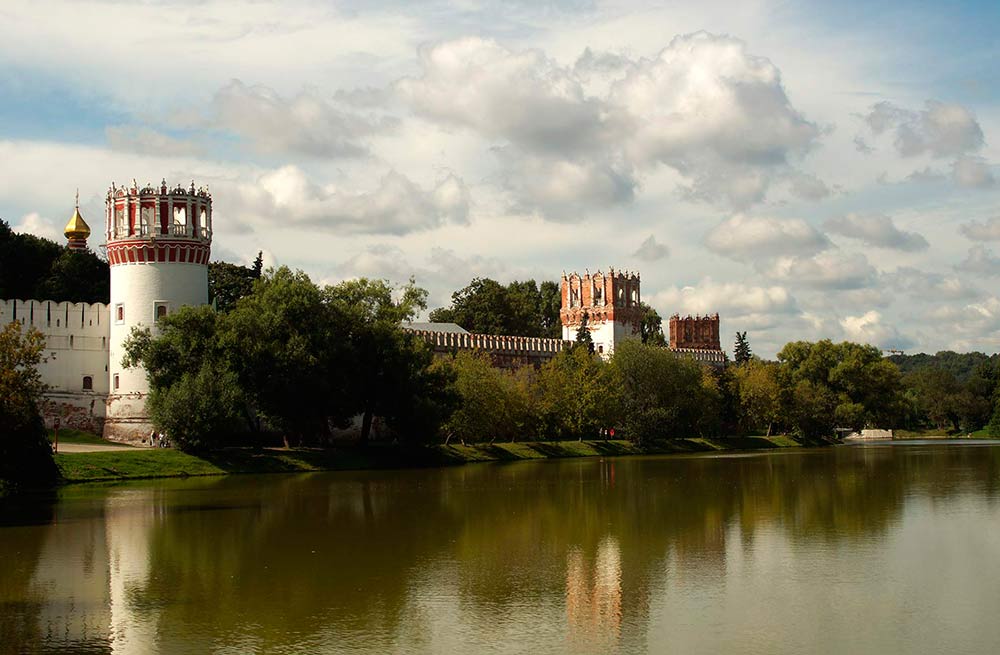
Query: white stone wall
x=138 y=289
x=77 y=340
x=605 y=335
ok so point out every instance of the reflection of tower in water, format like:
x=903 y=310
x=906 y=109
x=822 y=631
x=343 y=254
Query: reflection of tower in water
x=594 y=597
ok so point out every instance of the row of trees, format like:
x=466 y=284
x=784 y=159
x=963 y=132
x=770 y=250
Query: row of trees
x=294 y=359
x=34 y=267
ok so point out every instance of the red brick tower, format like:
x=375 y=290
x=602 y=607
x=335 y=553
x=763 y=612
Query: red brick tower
x=611 y=303
x=695 y=332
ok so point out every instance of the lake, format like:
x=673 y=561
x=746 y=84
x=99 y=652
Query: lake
x=876 y=548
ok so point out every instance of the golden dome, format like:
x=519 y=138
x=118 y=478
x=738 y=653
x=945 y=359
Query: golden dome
x=77 y=228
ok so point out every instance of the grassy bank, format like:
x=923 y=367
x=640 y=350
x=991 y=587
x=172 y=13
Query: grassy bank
x=159 y=463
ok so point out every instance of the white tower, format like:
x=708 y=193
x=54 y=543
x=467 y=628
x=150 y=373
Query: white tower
x=159 y=241
x=608 y=302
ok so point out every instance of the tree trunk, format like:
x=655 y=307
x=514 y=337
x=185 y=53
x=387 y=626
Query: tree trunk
x=366 y=426
x=769 y=425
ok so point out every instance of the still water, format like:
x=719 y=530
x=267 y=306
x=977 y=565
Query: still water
x=860 y=549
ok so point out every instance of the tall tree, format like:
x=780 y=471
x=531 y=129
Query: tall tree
x=25 y=456
x=583 y=336
x=741 y=350
x=383 y=359
x=227 y=283
x=651 y=327
x=33 y=267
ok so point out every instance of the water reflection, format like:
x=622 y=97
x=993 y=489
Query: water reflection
x=625 y=555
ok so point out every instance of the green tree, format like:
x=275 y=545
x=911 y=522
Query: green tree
x=25 y=455
x=993 y=427
x=759 y=392
x=658 y=395
x=33 y=267
x=651 y=326
x=383 y=359
x=290 y=346
x=572 y=399
x=583 y=336
x=227 y=283
x=195 y=395
x=741 y=350
x=522 y=308
x=494 y=403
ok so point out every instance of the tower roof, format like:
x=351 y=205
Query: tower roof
x=77 y=228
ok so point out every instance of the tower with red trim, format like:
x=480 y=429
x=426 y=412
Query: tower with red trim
x=158 y=242
x=609 y=304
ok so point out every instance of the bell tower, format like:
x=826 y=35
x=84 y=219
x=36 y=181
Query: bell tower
x=159 y=241
x=609 y=303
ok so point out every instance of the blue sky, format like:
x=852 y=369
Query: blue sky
x=807 y=169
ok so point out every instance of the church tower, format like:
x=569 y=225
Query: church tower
x=608 y=302
x=159 y=241
x=77 y=231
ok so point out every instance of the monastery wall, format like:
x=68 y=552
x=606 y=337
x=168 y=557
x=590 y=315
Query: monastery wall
x=505 y=351
x=76 y=358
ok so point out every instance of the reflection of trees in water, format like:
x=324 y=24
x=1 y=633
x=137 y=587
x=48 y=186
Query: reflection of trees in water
x=20 y=603
x=577 y=547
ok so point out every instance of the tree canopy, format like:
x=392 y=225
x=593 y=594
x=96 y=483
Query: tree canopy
x=520 y=309
x=34 y=267
x=25 y=455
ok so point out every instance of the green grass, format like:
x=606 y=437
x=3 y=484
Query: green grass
x=159 y=463
x=938 y=433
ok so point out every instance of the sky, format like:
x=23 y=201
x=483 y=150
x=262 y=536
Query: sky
x=808 y=170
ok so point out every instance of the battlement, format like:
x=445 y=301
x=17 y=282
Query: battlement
x=695 y=332
x=711 y=357
x=154 y=212
x=59 y=321
x=507 y=351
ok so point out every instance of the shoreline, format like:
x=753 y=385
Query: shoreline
x=148 y=464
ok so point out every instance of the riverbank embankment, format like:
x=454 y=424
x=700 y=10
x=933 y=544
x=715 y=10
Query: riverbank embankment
x=143 y=463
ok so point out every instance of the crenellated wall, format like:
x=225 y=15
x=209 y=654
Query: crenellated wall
x=506 y=351
x=77 y=341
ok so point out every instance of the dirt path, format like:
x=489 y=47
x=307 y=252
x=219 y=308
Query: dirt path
x=89 y=448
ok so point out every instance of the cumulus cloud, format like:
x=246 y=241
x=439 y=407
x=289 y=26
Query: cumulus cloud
x=988 y=230
x=750 y=237
x=981 y=261
x=870 y=328
x=827 y=270
x=733 y=299
x=520 y=96
x=876 y=230
x=305 y=124
x=395 y=206
x=703 y=106
x=972 y=173
x=651 y=250
x=33 y=223
x=563 y=189
x=924 y=285
x=941 y=129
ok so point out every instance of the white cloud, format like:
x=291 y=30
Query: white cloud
x=650 y=250
x=395 y=206
x=750 y=237
x=870 y=328
x=732 y=299
x=980 y=261
x=941 y=129
x=137 y=138
x=988 y=230
x=306 y=123
x=833 y=270
x=33 y=223
x=972 y=173
x=703 y=106
x=808 y=187
x=876 y=230
x=922 y=285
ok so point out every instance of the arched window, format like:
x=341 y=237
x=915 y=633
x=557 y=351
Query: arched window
x=88 y=383
x=160 y=311
x=116 y=382
x=120 y=313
